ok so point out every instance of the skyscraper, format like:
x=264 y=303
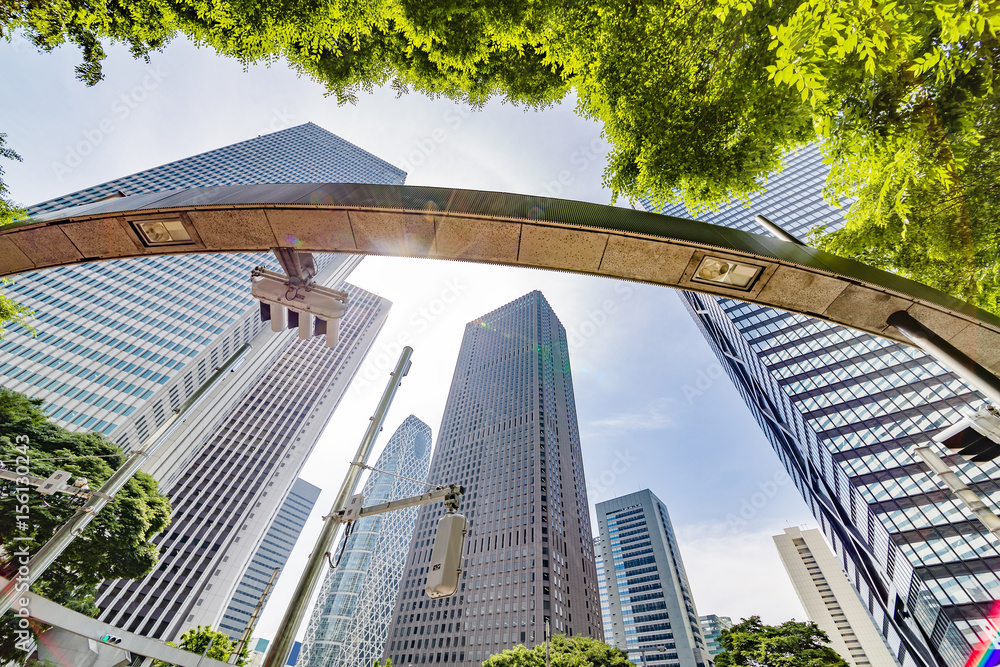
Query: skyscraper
x=230 y=491
x=123 y=343
x=272 y=553
x=829 y=599
x=843 y=410
x=602 y=590
x=711 y=628
x=509 y=435
x=350 y=621
x=652 y=608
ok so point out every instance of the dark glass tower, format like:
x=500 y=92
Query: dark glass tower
x=843 y=410
x=509 y=435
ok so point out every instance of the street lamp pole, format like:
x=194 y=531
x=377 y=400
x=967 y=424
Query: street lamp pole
x=284 y=637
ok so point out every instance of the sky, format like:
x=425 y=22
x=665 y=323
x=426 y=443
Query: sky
x=654 y=407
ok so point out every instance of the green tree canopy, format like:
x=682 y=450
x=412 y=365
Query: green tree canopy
x=698 y=99
x=11 y=312
x=115 y=545
x=751 y=643
x=219 y=645
x=563 y=652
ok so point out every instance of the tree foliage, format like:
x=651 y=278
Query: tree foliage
x=751 y=643
x=115 y=545
x=699 y=99
x=11 y=312
x=219 y=645
x=563 y=652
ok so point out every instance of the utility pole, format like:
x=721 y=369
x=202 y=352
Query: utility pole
x=284 y=637
x=548 y=639
x=245 y=637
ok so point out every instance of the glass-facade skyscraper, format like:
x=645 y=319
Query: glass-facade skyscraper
x=509 y=435
x=122 y=344
x=272 y=553
x=350 y=620
x=711 y=629
x=649 y=597
x=602 y=590
x=843 y=410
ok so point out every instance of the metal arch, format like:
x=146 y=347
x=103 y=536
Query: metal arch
x=499 y=228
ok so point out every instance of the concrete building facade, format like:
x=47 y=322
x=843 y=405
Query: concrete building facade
x=273 y=552
x=829 y=599
x=227 y=495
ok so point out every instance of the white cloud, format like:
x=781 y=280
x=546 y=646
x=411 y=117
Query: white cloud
x=737 y=575
x=656 y=417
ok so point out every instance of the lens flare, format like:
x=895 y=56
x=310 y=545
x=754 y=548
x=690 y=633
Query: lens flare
x=987 y=654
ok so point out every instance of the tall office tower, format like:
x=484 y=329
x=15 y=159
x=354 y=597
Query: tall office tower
x=229 y=492
x=652 y=609
x=350 y=621
x=829 y=599
x=272 y=553
x=602 y=591
x=711 y=629
x=843 y=411
x=122 y=344
x=509 y=435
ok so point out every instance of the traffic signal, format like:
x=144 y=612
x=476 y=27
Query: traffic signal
x=313 y=309
x=111 y=639
x=977 y=437
x=446 y=556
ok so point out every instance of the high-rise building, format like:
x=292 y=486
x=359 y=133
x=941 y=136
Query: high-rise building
x=509 y=435
x=229 y=492
x=711 y=629
x=350 y=620
x=602 y=591
x=273 y=552
x=121 y=344
x=652 y=608
x=829 y=599
x=843 y=410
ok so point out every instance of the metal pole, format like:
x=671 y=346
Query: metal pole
x=205 y=652
x=960 y=489
x=62 y=538
x=547 y=642
x=245 y=637
x=776 y=230
x=947 y=354
x=284 y=637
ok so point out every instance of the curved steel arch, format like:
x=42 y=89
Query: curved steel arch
x=498 y=228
